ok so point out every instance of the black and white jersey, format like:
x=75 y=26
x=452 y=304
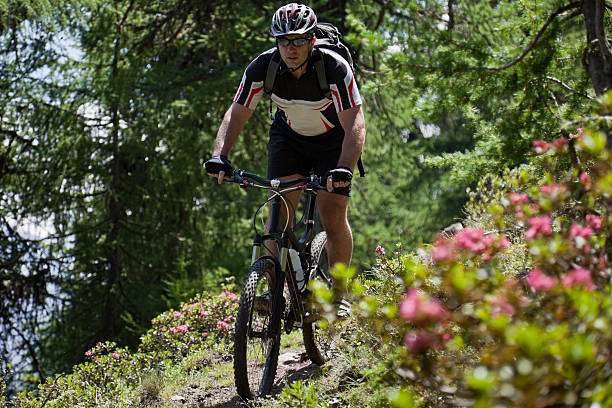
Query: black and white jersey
x=302 y=104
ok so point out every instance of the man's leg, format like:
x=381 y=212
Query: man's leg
x=333 y=214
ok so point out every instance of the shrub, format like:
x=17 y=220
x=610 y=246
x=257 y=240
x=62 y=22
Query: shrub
x=106 y=380
x=112 y=375
x=205 y=320
x=515 y=309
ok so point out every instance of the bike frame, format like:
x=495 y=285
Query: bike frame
x=285 y=238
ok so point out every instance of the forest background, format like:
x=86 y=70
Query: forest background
x=106 y=215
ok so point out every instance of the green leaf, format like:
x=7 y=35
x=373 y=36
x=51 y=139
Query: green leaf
x=401 y=399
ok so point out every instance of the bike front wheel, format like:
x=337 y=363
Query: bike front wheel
x=255 y=347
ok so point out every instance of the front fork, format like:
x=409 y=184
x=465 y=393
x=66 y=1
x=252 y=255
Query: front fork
x=278 y=305
x=278 y=300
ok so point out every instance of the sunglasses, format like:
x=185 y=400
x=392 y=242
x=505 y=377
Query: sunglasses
x=297 y=42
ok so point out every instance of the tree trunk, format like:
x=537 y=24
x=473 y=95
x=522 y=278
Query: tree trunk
x=114 y=207
x=597 y=56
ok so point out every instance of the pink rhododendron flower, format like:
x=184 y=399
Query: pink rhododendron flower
x=584 y=177
x=205 y=334
x=518 y=198
x=229 y=296
x=89 y=353
x=551 y=188
x=577 y=230
x=602 y=264
x=579 y=134
x=586 y=180
x=540 y=281
x=443 y=251
x=203 y=313
x=419 y=341
x=380 y=251
x=560 y=142
x=594 y=221
x=501 y=306
x=115 y=355
x=539 y=225
x=540 y=146
x=578 y=277
x=474 y=240
x=179 y=329
x=223 y=325
x=418 y=307
x=177 y=314
x=503 y=243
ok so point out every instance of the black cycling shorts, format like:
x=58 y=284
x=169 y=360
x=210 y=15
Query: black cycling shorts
x=291 y=153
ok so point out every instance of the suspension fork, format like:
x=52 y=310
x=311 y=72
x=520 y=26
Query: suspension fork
x=278 y=300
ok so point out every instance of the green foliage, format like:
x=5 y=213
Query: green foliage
x=297 y=395
x=480 y=61
x=205 y=320
x=115 y=377
x=111 y=107
x=465 y=326
x=2 y=391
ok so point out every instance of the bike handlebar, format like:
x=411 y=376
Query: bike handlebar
x=242 y=177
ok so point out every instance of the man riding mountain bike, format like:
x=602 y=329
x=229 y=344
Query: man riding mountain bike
x=311 y=131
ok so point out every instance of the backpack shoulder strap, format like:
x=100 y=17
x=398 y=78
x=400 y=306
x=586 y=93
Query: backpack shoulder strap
x=271 y=72
x=319 y=65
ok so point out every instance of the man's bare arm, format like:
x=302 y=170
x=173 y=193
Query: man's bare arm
x=233 y=122
x=353 y=123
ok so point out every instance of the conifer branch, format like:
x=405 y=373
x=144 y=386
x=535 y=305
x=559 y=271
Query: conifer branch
x=587 y=119
x=569 y=88
x=533 y=43
x=518 y=59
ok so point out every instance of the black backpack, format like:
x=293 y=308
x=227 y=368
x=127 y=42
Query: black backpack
x=328 y=36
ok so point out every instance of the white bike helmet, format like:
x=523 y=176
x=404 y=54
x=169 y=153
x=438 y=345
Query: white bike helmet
x=293 y=19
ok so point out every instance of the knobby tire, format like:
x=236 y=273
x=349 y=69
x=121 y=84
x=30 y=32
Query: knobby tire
x=255 y=354
x=316 y=347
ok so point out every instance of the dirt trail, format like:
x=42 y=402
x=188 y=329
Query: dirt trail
x=293 y=365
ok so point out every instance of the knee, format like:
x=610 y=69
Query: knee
x=334 y=222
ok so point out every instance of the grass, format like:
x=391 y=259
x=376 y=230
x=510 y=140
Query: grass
x=203 y=377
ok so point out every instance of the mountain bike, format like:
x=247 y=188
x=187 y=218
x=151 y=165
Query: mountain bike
x=275 y=293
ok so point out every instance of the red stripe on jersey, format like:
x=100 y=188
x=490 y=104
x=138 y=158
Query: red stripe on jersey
x=335 y=96
x=239 y=91
x=324 y=106
x=253 y=93
x=351 y=91
x=327 y=127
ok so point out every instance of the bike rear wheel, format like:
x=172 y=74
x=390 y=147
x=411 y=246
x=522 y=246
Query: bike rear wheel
x=317 y=344
x=255 y=350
